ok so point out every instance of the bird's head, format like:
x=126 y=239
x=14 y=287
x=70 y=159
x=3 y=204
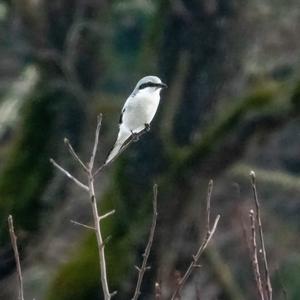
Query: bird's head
x=149 y=84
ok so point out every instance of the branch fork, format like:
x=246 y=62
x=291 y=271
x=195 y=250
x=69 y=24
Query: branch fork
x=264 y=289
x=195 y=258
x=89 y=170
x=141 y=270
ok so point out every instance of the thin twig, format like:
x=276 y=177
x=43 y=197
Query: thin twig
x=107 y=215
x=124 y=147
x=55 y=164
x=93 y=156
x=253 y=254
x=157 y=291
x=146 y=254
x=209 y=191
x=261 y=236
x=13 y=239
x=100 y=243
x=195 y=262
x=96 y=218
x=82 y=225
x=75 y=155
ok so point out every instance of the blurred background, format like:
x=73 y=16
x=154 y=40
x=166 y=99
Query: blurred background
x=232 y=106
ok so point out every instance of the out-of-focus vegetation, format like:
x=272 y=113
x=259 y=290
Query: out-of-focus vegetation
x=232 y=106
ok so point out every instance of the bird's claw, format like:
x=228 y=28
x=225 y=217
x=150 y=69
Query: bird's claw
x=134 y=136
x=147 y=127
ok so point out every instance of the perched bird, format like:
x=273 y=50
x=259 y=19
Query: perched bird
x=138 y=111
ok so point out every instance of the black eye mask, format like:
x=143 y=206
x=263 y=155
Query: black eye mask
x=152 y=84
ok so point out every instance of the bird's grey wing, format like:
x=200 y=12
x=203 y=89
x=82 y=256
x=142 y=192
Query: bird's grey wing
x=121 y=116
x=124 y=109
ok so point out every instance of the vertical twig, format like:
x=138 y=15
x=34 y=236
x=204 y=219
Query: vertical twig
x=261 y=236
x=157 y=291
x=209 y=191
x=146 y=254
x=253 y=254
x=13 y=239
x=91 y=190
x=209 y=234
x=96 y=217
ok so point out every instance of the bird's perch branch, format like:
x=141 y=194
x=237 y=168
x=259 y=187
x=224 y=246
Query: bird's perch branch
x=209 y=234
x=96 y=217
x=13 y=239
x=89 y=169
x=132 y=138
x=146 y=254
x=261 y=236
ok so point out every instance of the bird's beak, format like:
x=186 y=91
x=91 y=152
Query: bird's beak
x=163 y=85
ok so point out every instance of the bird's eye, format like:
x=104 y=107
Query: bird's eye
x=146 y=84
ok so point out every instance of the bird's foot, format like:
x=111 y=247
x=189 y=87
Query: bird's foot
x=147 y=127
x=134 y=136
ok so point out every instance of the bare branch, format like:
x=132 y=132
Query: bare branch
x=79 y=183
x=144 y=267
x=124 y=147
x=82 y=225
x=209 y=191
x=107 y=215
x=13 y=239
x=106 y=240
x=253 y=254
x=96 y=218
x=100 y=243
x=157 y=291
x=74 y=154
x=92 y=160
x=261 y=236
x=209 y=234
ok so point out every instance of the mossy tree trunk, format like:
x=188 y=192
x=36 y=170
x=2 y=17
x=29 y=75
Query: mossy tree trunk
x=60 y=39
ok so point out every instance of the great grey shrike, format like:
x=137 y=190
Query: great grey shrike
x=138 y=111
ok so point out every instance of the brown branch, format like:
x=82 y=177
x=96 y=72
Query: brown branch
x=261 y=236
x=107 y=215
x=209 y=234
x=209 y=191
x=144 y=267
x=13 y=239
x=100 y=243
x=93 y=156
x=124 y=147
x=82 y=225
x=74 y=154
x=253 y=254
x=96 y=218
x=79 y=183
x=157 y=291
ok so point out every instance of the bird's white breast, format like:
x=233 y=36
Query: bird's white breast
x=140 y=110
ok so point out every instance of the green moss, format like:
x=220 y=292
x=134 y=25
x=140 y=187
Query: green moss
x=27 y=169
x=261 y=99
x=79 y=278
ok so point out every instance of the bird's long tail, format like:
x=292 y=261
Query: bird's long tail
x=122 y=137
